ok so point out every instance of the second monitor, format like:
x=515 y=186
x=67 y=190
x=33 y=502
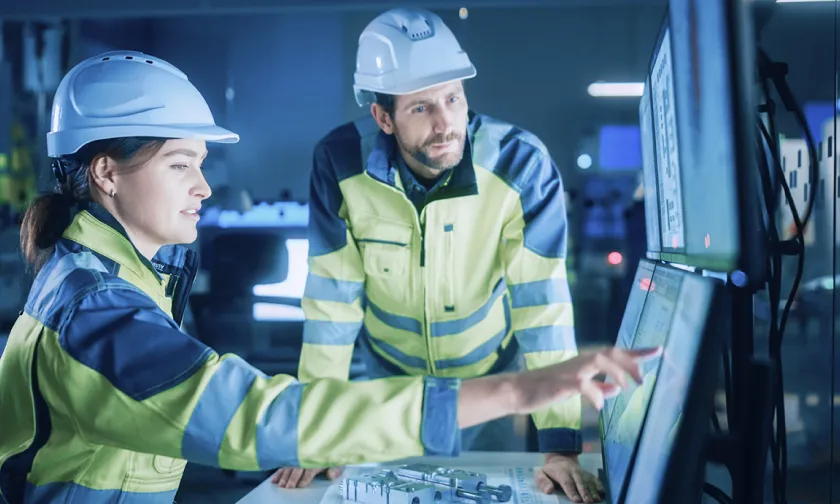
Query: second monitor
x=698 y=120
x=654 y=433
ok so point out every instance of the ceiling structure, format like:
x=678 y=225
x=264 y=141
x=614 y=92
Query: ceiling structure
x=87 y=9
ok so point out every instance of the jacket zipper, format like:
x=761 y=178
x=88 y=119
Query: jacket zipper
x=418 y=219
x=449 y=302
x=422 y=246
x=427 y=333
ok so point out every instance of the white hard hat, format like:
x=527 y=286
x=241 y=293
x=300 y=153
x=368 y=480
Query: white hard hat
x=404 y=51
x=128 y=94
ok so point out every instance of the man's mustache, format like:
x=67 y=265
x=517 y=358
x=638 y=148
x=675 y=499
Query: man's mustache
x=441 y=138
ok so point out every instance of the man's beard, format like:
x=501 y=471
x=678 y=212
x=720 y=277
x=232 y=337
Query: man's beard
x=442 y=162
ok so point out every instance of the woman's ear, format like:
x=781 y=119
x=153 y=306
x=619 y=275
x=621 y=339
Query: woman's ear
x=103 y=174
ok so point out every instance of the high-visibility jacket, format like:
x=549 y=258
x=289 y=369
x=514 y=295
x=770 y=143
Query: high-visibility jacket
x=103 y=398
x=449 y=291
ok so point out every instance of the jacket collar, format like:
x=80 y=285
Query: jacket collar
x=100 y=231
x=96 y=229
x=382 y=164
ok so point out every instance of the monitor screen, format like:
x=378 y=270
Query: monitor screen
x=704 y=85
x=630 y=321
x=676 y=313
x=654 y=239
x=627 y=410
x=667 y=146
x=703 y=108
x=687 y=338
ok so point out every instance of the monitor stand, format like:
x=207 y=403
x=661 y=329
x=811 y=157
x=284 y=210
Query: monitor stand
x=749 y=409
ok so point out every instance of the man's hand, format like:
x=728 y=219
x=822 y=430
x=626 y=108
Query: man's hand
x=565 y=471
x=295 y=477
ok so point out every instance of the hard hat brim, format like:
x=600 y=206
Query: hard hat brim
x=63 y=143
x=414 y=86
x=435 y=80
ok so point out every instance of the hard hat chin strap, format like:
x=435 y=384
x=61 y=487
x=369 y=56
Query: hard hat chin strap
x=60 y=170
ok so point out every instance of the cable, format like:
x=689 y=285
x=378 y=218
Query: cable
x=773 y=281
x=800 y=269
x=792 y=105
x=779 y=445
x=716 y=423
x=774 y=265
x=776 y=345
x=727 y=385
x=777 y=74
x=716 y=493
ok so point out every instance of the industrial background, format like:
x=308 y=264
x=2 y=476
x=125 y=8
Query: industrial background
x=279 y=72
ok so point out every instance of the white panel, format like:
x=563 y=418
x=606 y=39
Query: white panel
x=794 y=154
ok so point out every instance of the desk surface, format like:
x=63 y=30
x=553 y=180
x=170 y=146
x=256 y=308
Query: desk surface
x=268 y=493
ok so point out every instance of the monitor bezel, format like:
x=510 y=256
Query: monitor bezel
x=665 y=28
x=657 y=233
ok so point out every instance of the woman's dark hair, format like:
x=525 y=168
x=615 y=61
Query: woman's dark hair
x=49 y=215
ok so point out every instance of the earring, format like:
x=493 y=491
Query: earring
x=112 y=192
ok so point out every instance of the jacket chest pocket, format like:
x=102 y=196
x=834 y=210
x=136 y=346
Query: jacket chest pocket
x=386 y=254
x=385 y=260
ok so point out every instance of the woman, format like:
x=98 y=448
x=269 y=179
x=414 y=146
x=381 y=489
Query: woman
x=104 y=399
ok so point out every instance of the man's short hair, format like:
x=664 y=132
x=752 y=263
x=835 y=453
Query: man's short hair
x=387 y=102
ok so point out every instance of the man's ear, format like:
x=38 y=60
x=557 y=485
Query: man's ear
x=382 y=117
x=103 y=174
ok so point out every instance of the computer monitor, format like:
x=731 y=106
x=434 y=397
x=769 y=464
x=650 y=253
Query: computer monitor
x=669 y=464
x=704 y=112
x=667 y=145
x=681 y=313
x=651 y=196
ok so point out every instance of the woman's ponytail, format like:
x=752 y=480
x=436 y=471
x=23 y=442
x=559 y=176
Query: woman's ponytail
x=43 y=224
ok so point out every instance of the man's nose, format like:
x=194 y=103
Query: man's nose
x=442 y=122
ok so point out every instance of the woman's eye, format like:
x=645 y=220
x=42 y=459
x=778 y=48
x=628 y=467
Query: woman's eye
x=180 y=167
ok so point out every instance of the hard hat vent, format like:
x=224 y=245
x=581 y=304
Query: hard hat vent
x=107 y=58
x=416 y=28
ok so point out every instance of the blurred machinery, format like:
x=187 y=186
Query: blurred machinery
x=247 y=297
x=28 y=71
x=601 y=250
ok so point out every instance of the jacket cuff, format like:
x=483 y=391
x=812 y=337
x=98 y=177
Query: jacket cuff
x=439 y=430
x=559 y=440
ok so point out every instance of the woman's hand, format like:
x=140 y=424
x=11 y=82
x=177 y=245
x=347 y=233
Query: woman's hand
x=490 y=397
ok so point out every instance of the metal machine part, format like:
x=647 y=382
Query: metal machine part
x=422 y=484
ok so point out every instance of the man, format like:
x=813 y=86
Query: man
x=440 y=236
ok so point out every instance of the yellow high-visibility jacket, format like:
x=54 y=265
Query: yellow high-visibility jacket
x=450 y=291
x=104 y=399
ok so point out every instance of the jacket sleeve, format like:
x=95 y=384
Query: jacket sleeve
x=332 y=301
x=534 y=249
x=124 y=375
